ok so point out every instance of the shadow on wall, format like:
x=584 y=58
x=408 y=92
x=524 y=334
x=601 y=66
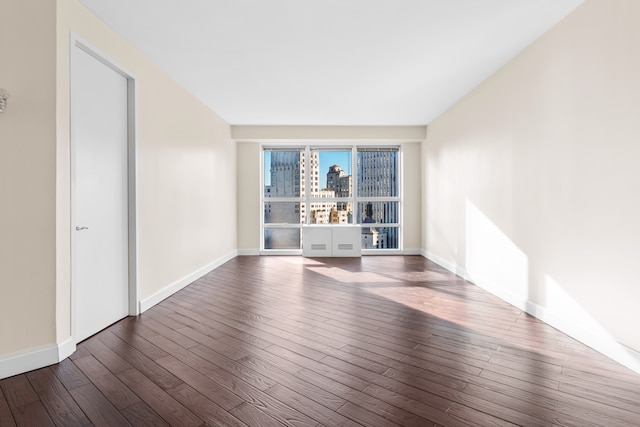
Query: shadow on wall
x=497 y=264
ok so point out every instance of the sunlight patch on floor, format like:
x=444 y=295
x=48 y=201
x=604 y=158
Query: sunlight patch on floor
x=425 y=300
x=356 y=277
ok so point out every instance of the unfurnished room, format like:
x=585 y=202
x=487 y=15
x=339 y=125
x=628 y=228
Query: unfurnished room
x=322 y=213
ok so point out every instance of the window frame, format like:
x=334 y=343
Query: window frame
x=306 y=199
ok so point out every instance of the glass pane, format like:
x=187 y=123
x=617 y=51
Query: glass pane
x=379 y=237
x=283 y=212
x=377 y=173
x=331 y=212
x=282 y=238
x=378 y=212
x=333 y=174
x=283 y=173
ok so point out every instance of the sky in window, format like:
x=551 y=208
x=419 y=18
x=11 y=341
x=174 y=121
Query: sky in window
x=330 y=158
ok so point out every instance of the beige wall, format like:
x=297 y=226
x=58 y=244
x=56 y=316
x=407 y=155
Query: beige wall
x=27 y=175
x=185 y=162
x=249 y=211
x=250 y=156
x=532 y=184
x=186 y=176
x=411 y=197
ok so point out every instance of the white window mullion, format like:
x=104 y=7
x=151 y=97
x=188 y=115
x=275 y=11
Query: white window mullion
x=307 y=183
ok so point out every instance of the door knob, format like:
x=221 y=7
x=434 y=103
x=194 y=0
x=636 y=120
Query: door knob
x=81 y=228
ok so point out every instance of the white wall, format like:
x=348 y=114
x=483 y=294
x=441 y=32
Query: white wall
x=532 y=185
x=250 y=156
x=186 y=179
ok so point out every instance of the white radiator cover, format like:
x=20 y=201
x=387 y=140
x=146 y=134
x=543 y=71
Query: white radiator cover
x=325 y=240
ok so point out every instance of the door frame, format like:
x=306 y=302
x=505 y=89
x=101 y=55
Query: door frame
x=78 y=44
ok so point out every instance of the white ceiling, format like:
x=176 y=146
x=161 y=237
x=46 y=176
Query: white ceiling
x=330 y=62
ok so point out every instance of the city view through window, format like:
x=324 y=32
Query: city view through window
x=319 y=186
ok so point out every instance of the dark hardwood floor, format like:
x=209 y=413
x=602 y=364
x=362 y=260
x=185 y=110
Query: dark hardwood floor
x=377 y=341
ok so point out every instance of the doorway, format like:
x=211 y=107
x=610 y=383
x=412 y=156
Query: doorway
x=102 y=199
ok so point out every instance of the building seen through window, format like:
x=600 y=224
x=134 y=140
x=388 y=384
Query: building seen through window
x=321 y=191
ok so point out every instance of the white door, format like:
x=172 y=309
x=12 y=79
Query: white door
x=100 y=275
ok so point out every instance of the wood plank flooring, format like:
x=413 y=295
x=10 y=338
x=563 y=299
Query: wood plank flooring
x=376 y=341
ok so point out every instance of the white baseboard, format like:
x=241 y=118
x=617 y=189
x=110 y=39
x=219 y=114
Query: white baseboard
x=66 y=349
x=598 y=340
x=452 y=267
x=412 y=251
x=18 y=363
x=570 y=325
x=167 y=291
x=248 y=252
x=36 y=358
x=255 y=252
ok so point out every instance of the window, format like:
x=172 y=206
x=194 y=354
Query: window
x=377 y=197
x=336 y=195
x=283 y=200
